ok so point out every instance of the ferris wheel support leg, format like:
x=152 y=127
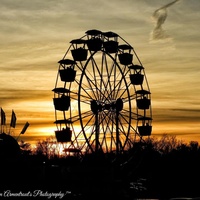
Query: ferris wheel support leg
x=117 y=133
x=96 y=133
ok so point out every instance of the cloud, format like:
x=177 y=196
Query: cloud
x=159 y=17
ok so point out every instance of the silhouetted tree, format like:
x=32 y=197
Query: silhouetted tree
x=194 y=145
x=26 y=148
x=165 y=144
x=48 y=148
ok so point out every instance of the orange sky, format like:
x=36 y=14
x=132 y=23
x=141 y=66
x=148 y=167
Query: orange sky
x=35 y=35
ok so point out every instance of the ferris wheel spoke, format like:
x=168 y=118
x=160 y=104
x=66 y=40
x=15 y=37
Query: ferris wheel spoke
x=122 y=125
x=121 y=86
x=132 y=97
x=104 y=121
x=117 y=85
x=90 y=79
x=91 y=74
x=110 y=130
x=88 y=115
x=102 y=80
x=90 y=87
x=102 y=73
x=92 y=132
x=95 y=75
x=125 y=100
x=123 y=91
x=88 y=126
x=110 y=77
x=85 y=87
x=105 y=132
x=94 y=89
x=76 y=118
x=122 y=133
x=128 y=114
x=84 y=98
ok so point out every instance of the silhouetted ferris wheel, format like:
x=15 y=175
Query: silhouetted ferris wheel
x=102 y=98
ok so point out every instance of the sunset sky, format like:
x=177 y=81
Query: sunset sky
x=34 y=36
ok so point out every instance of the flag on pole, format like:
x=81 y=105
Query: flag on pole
x=13 y=120
x=25 y=127
x=3 y=117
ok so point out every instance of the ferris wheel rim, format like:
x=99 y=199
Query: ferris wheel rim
x=82 y=65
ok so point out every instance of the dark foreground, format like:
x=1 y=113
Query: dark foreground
x=136 y=175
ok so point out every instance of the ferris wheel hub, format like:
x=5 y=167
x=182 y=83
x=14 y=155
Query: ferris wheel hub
x=116 y=105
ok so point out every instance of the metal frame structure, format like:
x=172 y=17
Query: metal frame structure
x=102 y=98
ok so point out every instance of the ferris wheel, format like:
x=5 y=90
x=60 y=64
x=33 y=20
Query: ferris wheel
x=101 y=97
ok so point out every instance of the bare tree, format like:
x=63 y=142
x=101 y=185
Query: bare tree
x=47 y=147
x=26 y=148
x=166 y=143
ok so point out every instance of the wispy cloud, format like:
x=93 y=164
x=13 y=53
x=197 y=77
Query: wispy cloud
x=159 y=17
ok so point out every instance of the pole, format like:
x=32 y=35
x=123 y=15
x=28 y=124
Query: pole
x=96 y=133
x=117 y=132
